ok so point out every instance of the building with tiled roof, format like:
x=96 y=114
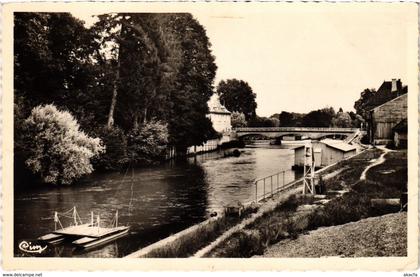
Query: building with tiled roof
x=219 y=115
x=386 y=92
x=387 y=108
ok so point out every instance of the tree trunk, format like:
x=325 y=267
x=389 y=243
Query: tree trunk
x=114 y=98
x=110 y=122
x=145 y=115
x=136 y=122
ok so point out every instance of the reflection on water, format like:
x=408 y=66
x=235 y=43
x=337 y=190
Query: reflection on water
x=155 y=202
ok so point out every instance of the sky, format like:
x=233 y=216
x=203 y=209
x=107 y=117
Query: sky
x=299 y=60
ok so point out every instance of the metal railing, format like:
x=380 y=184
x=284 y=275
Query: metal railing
x=269 y=185
x=294 y=129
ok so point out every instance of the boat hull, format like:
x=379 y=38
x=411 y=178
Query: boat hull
x=94 y=242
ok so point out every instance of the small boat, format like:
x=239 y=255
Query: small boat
x=52 y=238
x=89 y=242
x=87 y=235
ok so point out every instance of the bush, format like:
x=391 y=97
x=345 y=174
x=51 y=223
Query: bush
x=147 y=144
x=115 y=142
x=56 y=149
x=238 y=120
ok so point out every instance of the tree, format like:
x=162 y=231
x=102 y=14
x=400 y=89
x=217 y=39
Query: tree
x=52 y=62
x=237 y=96
x=356 y=119
x=263 y=122
x=115 y=141
x=286 y=119
x=319 y=118
x=147 y=144
x=342 y=120
x=188 y=124
x=238 y=120
x=361 y=105
x=57 y=149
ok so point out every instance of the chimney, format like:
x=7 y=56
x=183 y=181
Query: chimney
x=394 y=85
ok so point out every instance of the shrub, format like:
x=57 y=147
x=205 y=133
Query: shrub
x=238 y=120
x=57 y=149
x=147 y=144
x=115 y=142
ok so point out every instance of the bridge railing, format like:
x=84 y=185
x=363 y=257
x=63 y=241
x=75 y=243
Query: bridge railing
x=293 y=129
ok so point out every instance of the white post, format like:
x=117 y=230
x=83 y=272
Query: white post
x=55 y=220
x=116 y=219
x=98 y=219
x=74 y=216
x=91 y=218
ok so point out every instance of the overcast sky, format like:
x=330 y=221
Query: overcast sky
x=298 y=60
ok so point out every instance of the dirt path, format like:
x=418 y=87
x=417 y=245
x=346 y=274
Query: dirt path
x=270 y=205
x=375 y=162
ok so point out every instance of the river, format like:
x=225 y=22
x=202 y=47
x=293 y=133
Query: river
x=155 y=202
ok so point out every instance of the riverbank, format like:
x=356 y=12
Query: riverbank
x=347 y=199
x=371 y=237
x=208 y=243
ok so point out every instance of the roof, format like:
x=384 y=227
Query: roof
x=404 y=95
x=294 y=147
x=401 y=127
x=384 y=94
x=215 y=106
x=339 y=144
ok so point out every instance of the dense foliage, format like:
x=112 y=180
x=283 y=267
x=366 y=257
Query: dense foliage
x=238 y=120
x=121 y=78
x=361 y=105
x=56 y=148
x=325 y=117
x=147 y=144
x=237 y=96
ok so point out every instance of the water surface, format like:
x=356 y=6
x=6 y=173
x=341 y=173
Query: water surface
x=155 y=202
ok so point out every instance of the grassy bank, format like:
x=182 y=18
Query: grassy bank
x=190 y=243
x=346 y=199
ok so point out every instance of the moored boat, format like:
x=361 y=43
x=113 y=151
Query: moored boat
x=87 y=235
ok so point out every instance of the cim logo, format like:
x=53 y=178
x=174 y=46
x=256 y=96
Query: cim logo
x=31 y=248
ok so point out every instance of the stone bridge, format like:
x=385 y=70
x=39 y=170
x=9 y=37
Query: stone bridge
x=280 y=132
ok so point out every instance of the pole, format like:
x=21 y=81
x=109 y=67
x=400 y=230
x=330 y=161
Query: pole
x=264 y=190
x=256 y=191
x=116 y=219
x=91 y=218
x=74 y=216
x=283 y=178
x=271 y=182
x=98 y=219
x=55 y=221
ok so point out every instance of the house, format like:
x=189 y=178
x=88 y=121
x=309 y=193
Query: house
x=300 y=156
x=221 y=119
x=400 y=134
x=383 y=118
x=387 y=107
x=335 y=150
x=219 y=115
x=386 y=92
x=326 y=152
